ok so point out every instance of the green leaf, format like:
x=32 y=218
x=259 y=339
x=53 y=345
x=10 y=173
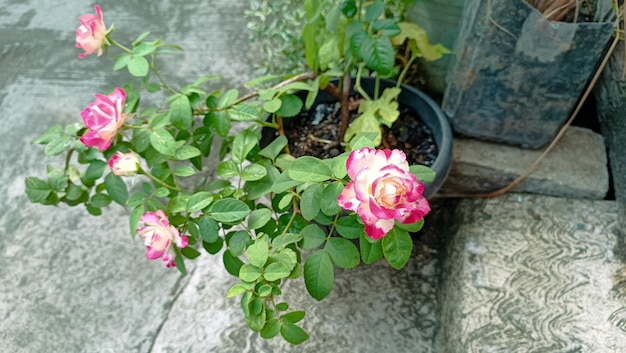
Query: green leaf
x=213 y=248
x=184 y=171
x=312 y=237
x=419 y=42
x=227 y=169
x=276 y=271
x=349 y=227
x=243 y=143
x=310 y=202
x=283 y=183
x=180 y=264
x=283 y=240
x=141 y=140
x=272 y=106
x=135 y=216
x=220 y=122
x=293 y=334
x=163 y=142
x=271 y=329
x=116 y=188
x=291 y=106
x=343 y=252
x=209 y=229
x=37 y=190
x=387 y=27
x=198 y=201
x=378 y=54
x=100 y=200
x=253 y=172
x=237 y=242
x=236 y=290
x=229 y=210
x=423 y=173
x=258 y=253
x=180 y=110
x=319 y=274
x=275 y=147
x=186 y=152
x=243 y=112
x=122 y=62
x=190 y=252
x=374 y=11
x=51 y=134
x=232 y=263
x=58 y=145
x=249 y=273
x=94 y=171
x=141 y=37
x=259 y=218
x=411 y=228
x=144 y=49
x=228 y=98
x=397 y=247
x=293 y=317
x=361 y=140
x=371 y=251
x=138 y=66
x=309 y=168
x=338 y=165
x=329 y=205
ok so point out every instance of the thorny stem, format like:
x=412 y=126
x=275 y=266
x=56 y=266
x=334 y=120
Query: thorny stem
x=293 y=217
x=159 y=181
x=119 y=45
x=68 y=156
x=346 y=87
x=297 y=78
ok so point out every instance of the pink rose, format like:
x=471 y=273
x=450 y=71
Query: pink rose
x=91 y=34
x=124 y=164
x=382 y=190
x=103 y=118
x=158 y=235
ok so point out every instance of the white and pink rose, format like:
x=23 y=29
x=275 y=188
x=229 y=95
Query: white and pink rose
x=382 y=190
x=159 y=236
x=124 y=164
x=104 y=118
x=91 y=33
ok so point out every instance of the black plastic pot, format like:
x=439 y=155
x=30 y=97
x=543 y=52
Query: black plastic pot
x=430 y=113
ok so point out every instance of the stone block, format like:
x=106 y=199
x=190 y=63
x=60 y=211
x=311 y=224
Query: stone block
x=575 y=168
x=528 y=273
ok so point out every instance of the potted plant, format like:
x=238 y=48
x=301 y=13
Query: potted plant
x=272 y=217
x=519 y=71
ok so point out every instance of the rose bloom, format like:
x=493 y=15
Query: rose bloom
x=158 y=235
x=103 y=118
x=382 y=190
x=124 y=164
x=91 y=34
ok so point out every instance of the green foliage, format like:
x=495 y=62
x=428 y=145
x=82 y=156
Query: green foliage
x=273 y=217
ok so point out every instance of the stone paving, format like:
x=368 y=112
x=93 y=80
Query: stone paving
x=70 y=282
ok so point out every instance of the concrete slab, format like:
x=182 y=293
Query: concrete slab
x=575 y=168
x=534 y=274
x=70 y=282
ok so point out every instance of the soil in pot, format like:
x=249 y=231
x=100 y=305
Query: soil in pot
x=314 y=133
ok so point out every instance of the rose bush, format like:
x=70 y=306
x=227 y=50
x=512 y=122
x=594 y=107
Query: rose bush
x=271 y=217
